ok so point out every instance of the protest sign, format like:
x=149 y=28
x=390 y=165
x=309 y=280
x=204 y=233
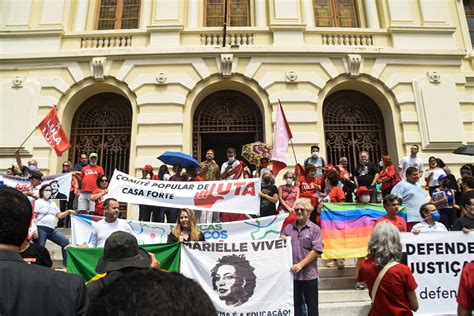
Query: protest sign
x=243 y=278
x=436 y=260
x=155 y=233
x=346 y=228
x=230 y=196
x=60 y=184
x=84 y=260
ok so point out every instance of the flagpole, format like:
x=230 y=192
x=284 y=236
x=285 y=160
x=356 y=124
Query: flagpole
x=294 y=154
x=28 y=137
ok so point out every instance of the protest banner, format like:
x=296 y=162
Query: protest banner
x=60 y=184
x=84 y=260
x=436 y=260
x=346 y=228
x=243 y=278
x=155 y=233
x=230 y=196
x=54 y=133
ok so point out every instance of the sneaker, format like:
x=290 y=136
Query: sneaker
x=360 y=286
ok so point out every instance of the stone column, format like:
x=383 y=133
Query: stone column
x=372 y=14
x=261 y=13
x=193 y=13
x=80 y=17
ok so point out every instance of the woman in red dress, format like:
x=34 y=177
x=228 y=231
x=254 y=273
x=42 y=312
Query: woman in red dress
x=310 y=186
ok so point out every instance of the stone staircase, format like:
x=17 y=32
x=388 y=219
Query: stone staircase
x=337 y=293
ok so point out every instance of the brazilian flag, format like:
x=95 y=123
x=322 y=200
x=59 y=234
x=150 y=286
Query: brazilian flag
x=84 y=260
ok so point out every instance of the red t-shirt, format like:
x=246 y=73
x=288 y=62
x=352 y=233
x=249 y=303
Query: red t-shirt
x=99 y=203
x=391 y=173
x=391 y=297
x=398 y=221
x=466 y=287
x=336 y=195
x=89 y=178
x=309 y=188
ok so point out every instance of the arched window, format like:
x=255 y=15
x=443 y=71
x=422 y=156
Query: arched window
x=335 y=13
x=118 y=14
x=353 y=123
x=233 y=12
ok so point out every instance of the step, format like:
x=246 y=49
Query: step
x=325 y=272
x=341 y=296
x=346 y=309
x=337 y=283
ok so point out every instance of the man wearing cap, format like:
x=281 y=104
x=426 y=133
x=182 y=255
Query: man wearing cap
x=102 y=229
x=121 y=255
x=149 y=211
x=32 y=191
x=88 y=177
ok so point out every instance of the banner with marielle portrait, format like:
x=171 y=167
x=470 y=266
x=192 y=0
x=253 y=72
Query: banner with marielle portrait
x=243 y=277
x=156 y=233
x=60 y=184
x=230 y=196
x=436 y=260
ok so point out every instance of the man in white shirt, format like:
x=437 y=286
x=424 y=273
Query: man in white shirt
x=410 y=161
x=430 y=220
x=232 y=169
x=102 y=229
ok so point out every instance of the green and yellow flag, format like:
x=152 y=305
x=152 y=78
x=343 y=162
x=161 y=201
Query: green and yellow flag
x=84 y=260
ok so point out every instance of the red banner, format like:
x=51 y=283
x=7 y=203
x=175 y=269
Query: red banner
x=281 y=136
x=53 y=132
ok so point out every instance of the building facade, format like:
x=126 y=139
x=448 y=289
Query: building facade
x=132 y=79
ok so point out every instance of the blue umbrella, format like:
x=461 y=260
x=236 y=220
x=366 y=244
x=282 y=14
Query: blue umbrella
x=173 y=157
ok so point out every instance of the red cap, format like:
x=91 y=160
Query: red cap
x=148 y=168
x=363 y=189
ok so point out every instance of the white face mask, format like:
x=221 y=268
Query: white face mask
x=32 y=167
x=289 y=181
x=231 y=159
x=315 y=154
x=148 y=176
x=46 y=195
x=381 y=164
x=365 y=198
x=92 y=163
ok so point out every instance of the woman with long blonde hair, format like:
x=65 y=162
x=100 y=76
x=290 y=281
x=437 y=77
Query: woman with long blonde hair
x=186 y=228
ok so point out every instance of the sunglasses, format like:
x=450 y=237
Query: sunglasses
x=65 y=165
x=300 y=209
x=104 y=180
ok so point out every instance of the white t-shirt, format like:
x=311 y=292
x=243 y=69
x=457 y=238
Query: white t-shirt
x=46 y=213
x=102 y=229
x=424 y=227
x=408 y=162
x=436 y=173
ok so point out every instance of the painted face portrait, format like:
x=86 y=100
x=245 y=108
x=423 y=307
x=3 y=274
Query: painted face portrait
x=233 y=279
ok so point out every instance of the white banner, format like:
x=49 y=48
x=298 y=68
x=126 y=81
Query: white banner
x=436 y=260
x=243 y=278
x=155 y=233
x=230 y=196
x=61 y=184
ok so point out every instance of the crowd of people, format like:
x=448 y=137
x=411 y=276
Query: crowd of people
x=443 y=203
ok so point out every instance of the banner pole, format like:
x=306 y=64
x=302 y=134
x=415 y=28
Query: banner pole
x=293 y=148
x=28 y=137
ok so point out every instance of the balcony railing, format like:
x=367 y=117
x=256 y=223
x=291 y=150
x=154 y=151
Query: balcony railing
x=217 y=39
x=348 y=39
x=104 y=41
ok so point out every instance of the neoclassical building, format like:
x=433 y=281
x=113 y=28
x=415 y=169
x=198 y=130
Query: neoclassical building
x=132 y=79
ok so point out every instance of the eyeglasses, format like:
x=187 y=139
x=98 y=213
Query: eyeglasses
x=48 y=190
x=300 y=209
x=65 y=165
x=104 y=180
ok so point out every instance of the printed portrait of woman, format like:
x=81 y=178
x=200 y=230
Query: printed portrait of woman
x=234 y=279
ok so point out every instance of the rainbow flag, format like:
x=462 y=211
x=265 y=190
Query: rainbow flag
x=84 y=260
x=346 y=228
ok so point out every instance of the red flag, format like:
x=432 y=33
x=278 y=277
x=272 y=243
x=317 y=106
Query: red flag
x=53 y=132
x=281 y=136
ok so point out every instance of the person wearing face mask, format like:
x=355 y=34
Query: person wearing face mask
x=47 y=214
x=315 y=160
x=363 y=195
x=88 y=176
x=232 y=169
x=430 y=223
x=432 y=175
x=288 y=193
x=366 y=174
x=268 y=195
x=466 y=222
x=26 y=170
x=102 y=229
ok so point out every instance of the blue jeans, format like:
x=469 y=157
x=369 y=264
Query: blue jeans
x=55 y=236
x=306 y=291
